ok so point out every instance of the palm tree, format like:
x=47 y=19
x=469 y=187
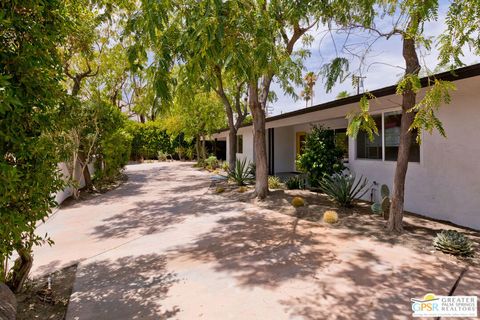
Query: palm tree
x=310 y=79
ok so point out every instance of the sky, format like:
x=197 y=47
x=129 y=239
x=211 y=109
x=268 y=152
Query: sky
x=383 y=65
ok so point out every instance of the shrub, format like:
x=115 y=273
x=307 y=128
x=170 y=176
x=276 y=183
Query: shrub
x=240 y=174
x=180 y=151
x=150 y=138
x=200 y=164
x=320 y=157
x=344 y=188
x=190 y=153
x=220 y=190
x=162 y=156
x=294 y=183
x=453 y=242
x=115 y=153
x=298 y=202
x=212 y=163
x=274 y=182
x=225 y=166
x=330 y=217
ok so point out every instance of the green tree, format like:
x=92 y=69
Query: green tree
x=30 y=91
x=410 y=18
x=343 y=94
x=308 y=92
x=197 y=116
x=462 y=25
x=210 y=58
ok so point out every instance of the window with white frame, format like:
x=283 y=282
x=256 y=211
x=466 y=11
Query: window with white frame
x=385 y=145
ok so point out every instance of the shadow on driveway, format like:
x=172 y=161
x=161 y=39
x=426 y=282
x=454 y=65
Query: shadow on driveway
x=127 y=288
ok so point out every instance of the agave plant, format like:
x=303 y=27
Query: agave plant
x=453 y=242
x=294 y=183
x=274 y=182
x=344 y=188
x=241 y=173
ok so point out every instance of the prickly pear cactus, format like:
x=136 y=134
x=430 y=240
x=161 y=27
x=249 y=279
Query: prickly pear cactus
x=453 y=242
x=384 y=191
x=386 y=207
x=376 y=208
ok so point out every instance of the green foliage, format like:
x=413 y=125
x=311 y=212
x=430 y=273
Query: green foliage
x=344 y=188
x=454 y=242
x=148 y=139
x=343 y=94
x=409 y=82
x=30 y=93
x=426 y=117
x=294 y=183
x=362 y=120
x=241 y=173
x=194 y=115
x=162 y=156
x=212 y=163
x=321 y=157
x=225 y=166
x=462 y=21
x=336 y=70
x=190 y=152
x=115 y=154
x=274 y=182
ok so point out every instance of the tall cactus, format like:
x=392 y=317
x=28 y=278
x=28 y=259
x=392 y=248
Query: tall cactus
x=383 y=207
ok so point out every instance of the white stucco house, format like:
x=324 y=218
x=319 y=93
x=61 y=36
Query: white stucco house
x=443 y=179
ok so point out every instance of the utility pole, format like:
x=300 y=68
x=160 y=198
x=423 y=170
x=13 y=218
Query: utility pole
x=357 y=81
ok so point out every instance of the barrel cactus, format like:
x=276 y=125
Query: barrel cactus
x=298 y=202
x=330 y=217
x=453 y=242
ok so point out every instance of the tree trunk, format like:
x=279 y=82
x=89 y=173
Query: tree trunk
x=232 y=147
x=259 y=143
x=197 y=147
x=20 y=269
x=204 y=151
x=395 y=223
x=85 y=172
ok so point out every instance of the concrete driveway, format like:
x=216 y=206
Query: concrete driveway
x=162 y=247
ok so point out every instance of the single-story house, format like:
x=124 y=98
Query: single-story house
x=443 y=179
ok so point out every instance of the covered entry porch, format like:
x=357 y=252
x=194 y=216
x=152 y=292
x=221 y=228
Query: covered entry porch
x=286 y=143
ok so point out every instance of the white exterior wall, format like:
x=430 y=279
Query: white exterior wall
x=67 y=192
x=446 y=183
x=247 y=153
x=284 y=149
